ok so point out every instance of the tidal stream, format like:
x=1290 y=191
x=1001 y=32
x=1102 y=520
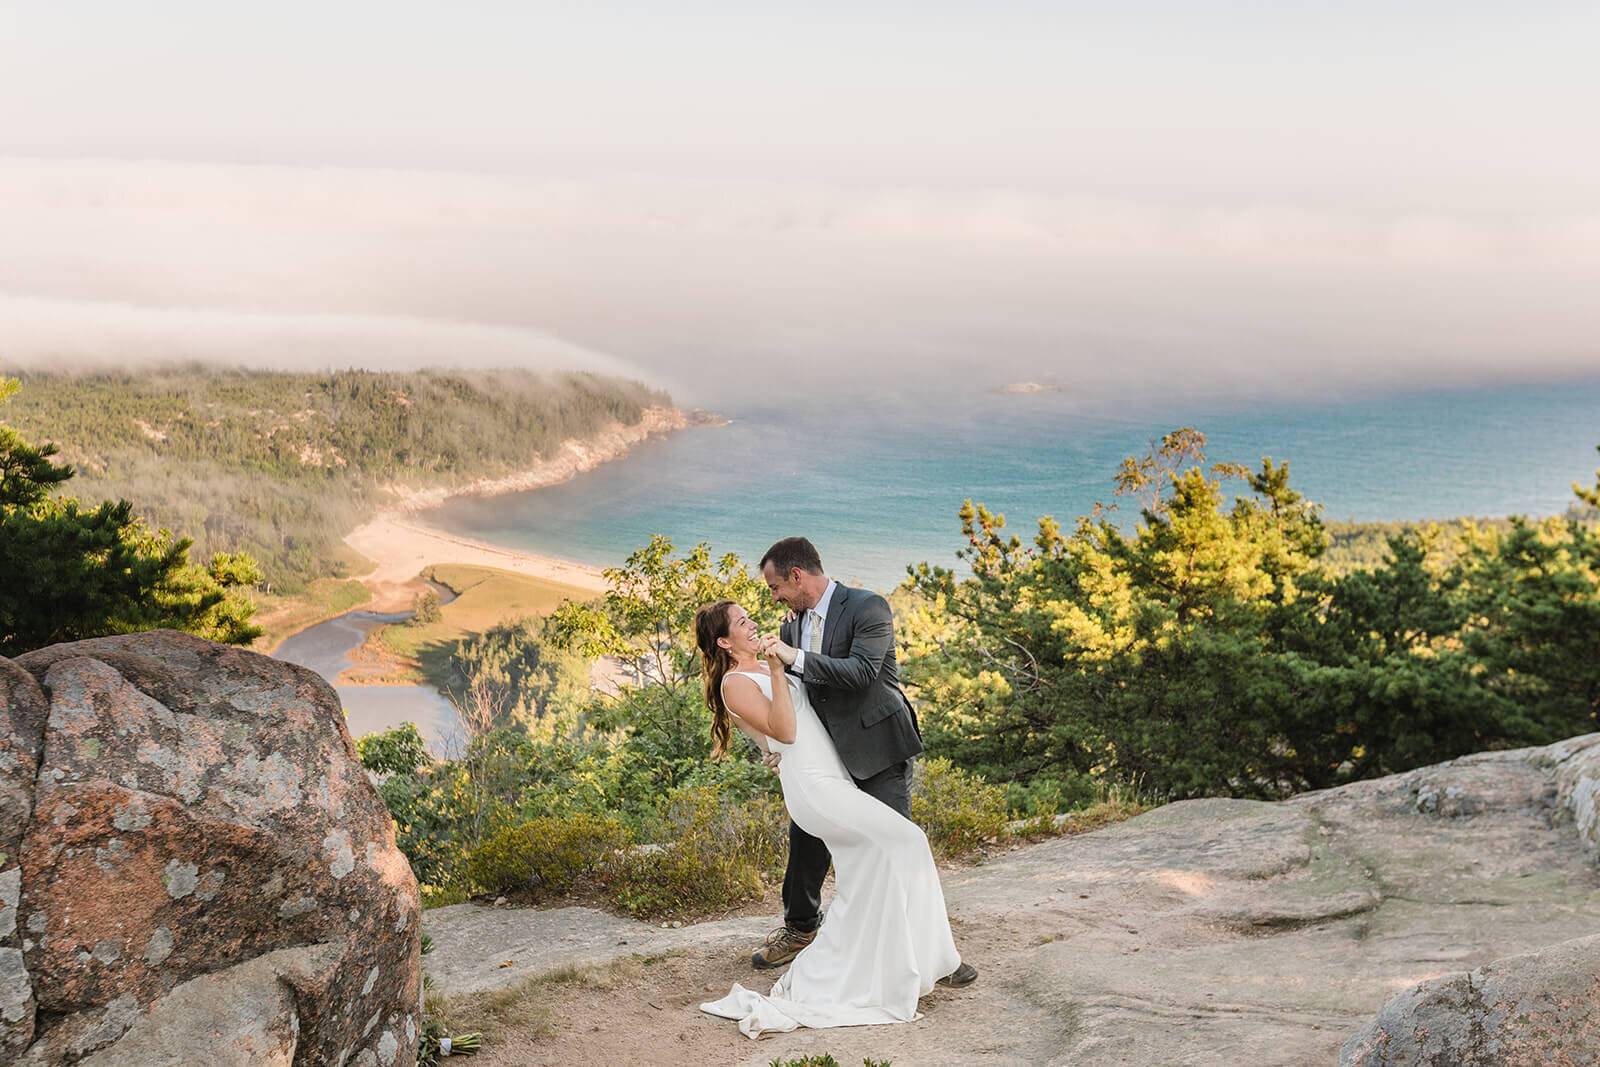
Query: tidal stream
x=326 y=647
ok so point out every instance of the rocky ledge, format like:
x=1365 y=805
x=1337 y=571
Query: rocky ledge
x=1448 y=915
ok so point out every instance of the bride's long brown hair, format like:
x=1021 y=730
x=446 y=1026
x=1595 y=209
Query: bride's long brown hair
x=710 y=623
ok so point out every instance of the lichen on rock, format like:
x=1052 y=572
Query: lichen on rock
x=159 y=844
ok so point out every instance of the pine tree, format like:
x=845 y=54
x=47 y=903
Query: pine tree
x=68 y=573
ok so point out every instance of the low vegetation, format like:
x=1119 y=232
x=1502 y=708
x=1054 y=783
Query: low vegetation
x=614 y=795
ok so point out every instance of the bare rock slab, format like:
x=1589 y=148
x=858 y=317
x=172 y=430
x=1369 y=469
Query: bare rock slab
x=1539 y=1008
x=192 y=810
x=477 y=949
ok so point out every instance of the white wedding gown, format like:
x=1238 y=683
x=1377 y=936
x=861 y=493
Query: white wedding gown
x=886 y=940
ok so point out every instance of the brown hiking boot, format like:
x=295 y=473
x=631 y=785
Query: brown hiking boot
x=783 y=945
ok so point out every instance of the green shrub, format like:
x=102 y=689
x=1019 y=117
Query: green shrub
x=425 y=608
x=738 y=777
x=398 y=750
x=547 y=854
x=958 y=811
x=1067 y=790
x=717 y=852
x=1109 y=801
x=442 y=896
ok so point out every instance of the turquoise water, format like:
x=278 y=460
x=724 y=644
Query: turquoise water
x=876 y=481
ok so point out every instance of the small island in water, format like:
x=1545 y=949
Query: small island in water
x=1029 y=388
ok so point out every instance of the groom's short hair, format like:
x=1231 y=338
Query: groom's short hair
x=790 y=553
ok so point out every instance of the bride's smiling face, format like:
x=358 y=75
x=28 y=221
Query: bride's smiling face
x=742 y=632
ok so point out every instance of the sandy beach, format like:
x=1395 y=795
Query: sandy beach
x=402 y=545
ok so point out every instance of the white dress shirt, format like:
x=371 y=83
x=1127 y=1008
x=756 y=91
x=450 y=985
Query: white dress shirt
x=805 y=625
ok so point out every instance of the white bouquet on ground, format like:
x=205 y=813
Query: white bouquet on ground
x=435 y=1044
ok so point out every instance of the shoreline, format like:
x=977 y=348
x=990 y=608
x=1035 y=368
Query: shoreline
x=402 y=545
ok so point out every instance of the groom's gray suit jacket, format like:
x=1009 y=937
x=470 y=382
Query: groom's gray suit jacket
x=854 y=683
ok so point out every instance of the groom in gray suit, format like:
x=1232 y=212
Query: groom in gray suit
x=840 y=643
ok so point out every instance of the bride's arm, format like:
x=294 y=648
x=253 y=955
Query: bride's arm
x=775 y=717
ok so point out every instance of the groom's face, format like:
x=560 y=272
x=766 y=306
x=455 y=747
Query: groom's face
x=785 y=588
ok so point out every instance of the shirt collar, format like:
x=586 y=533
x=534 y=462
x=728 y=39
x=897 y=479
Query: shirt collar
x=827 y=597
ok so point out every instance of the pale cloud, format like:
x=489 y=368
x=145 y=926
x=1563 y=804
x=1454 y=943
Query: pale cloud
x=102 y=334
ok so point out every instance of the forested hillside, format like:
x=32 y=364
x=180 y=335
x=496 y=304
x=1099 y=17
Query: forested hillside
x=282 y=465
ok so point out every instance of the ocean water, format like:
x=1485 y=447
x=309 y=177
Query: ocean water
x=876 y=481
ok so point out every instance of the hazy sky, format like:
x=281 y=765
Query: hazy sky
x=1101 y=193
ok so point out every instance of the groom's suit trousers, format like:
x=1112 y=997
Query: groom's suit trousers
x=809 y=857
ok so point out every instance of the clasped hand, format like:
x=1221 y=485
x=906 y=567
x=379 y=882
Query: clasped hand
x=773 y=648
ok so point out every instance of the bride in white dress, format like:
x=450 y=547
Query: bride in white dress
x=887 y=938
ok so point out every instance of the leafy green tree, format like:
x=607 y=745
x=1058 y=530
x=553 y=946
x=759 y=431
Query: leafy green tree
x=526 y=670
x=397 y=750
x=425 y=608
x=1143 y=652
x=645 y=625
x=68 y=573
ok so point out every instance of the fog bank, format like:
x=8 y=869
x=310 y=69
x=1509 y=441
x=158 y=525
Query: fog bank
x=711 y=288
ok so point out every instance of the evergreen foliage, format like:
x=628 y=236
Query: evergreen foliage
x=68 y=573
x=1210 y=649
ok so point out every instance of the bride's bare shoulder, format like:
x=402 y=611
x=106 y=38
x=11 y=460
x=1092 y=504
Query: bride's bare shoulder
x=740 y=683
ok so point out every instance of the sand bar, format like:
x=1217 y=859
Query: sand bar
x=402 y=545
